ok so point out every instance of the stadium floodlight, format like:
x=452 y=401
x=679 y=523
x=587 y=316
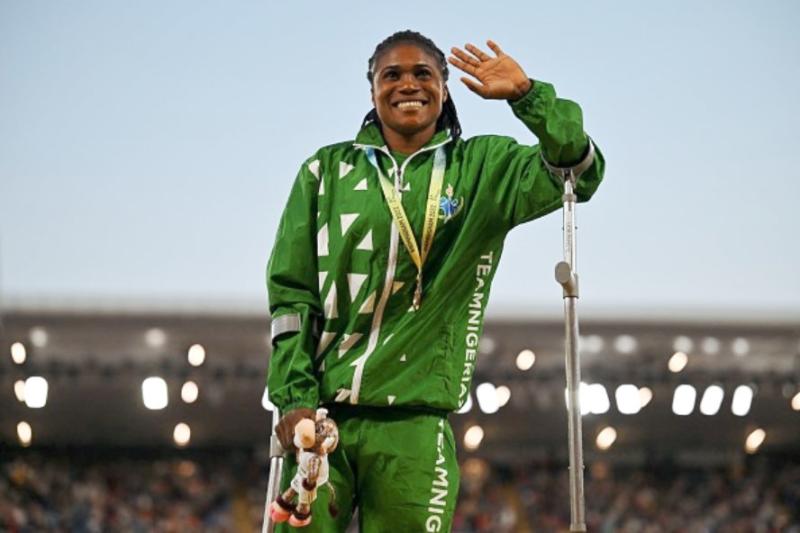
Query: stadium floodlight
x=754 y=440
x=18 y=353
x=155 y=337
x=678 y=362
x=740 y=346
x=625 y=344
x=265 y=403
x=710 y=345
x=526 y=359
x=606 y=438
x=682 y=343
x=486 y=345
x=645 y=395
x=796 y=402
x=598 y=399
x=35 y=392
x=19 y=390
x=742 y=400
x=628 y=400
x=473 y=437
x=467 y=405
x=592 y=343
x=712 y=400
x=189 y=392
x=683 y=400
x=38 y=336
x=583 y=397
x=196 y=354
x=593 y=398
x=487 y=398
x=503 y=395
x=154 y=393
x=182 y=434
x=24 y=433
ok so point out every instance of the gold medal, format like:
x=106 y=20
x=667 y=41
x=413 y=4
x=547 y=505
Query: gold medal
x=401 y=219
x=418 y=293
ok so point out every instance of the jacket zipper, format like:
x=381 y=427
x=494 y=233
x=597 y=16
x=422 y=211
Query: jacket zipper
x=394 y=235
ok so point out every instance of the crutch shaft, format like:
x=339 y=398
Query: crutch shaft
x=567 y=277
x=275 y=469
x=573 y=372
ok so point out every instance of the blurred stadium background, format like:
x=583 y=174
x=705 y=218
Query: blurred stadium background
x=147 y=149
x=141 y=421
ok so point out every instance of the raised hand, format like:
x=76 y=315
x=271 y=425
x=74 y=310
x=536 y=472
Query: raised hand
x=498 y=78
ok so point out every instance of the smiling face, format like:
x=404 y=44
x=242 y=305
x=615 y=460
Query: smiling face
x=408 y=90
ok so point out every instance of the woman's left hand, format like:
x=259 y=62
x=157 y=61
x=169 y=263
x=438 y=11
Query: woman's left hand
x=499 y=78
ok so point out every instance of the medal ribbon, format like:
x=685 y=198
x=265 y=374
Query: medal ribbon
x=401 y=219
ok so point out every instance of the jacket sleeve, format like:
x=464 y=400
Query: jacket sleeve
x=517 y=176
x=294 y=298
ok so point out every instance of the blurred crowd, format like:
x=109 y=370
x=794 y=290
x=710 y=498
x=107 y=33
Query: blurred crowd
x=763 y=497
x=224 y=492
x=61 y=493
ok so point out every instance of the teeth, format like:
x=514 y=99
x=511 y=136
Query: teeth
x=415 y=103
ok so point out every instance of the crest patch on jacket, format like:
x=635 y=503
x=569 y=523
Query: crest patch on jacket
x=449 y=206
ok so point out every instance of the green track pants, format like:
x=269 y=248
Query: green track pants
x=398 y=467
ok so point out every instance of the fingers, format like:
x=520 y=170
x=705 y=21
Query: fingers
x=477 y=52
x=471 y=63
x=475 y=87
x=463 y=56
x=496 y=49
x=285 y=431
x=284 y=435
x=468 y=68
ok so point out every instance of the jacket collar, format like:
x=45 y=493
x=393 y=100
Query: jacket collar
x=370 y=135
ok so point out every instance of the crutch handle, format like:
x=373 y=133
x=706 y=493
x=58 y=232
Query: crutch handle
x=567 y=279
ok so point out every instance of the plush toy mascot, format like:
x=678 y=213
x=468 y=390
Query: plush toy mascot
x=314 y=441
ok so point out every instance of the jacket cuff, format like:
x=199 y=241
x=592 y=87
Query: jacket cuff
x=298 y=405
x=533 y=106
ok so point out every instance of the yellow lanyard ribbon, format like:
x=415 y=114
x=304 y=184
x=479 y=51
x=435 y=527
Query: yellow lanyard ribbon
x=401 y=219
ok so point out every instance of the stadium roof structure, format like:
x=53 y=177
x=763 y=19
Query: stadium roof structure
x=95 y=361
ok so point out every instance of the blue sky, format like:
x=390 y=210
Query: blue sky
x=147 y=149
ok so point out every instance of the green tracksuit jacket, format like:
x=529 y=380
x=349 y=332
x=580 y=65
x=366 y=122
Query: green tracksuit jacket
x=341 y=282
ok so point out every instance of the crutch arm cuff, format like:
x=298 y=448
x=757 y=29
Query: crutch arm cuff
x=576 y=170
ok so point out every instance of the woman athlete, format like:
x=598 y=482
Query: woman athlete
x=381 y=269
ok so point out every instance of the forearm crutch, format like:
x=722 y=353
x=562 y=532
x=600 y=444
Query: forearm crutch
x=567 y=277
x=276 y=452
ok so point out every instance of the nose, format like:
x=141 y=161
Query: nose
x=408 y=83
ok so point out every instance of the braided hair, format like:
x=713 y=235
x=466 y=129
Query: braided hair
x=449 y=117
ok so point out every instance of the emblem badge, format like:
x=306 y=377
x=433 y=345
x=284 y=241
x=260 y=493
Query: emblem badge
x=449 y=206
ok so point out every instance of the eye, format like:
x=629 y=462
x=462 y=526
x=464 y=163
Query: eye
x=390 y=75
x=424 y=73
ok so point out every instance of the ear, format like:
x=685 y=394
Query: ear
x=372 y=96
x=445 y=93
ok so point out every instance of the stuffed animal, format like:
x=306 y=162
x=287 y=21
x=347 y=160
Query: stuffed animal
x=314 y=441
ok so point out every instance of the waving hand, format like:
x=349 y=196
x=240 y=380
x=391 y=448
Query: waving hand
x=498 y=78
